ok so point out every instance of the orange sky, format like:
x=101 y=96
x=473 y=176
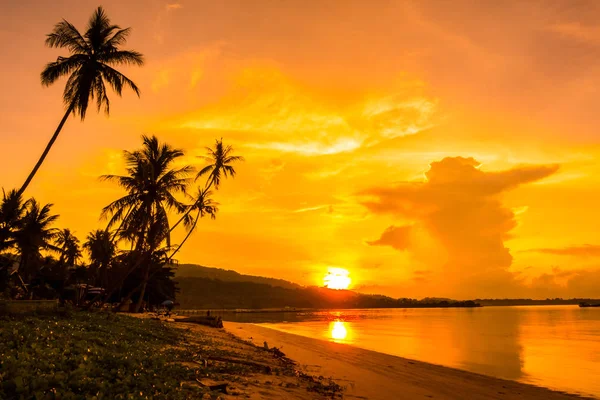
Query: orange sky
x=430 y=148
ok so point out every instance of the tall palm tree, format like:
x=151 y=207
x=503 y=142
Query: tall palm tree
x=102 y=250
x=203 y=205
x=89 y=66
x=151 y=184
x=34 y=235
x=68 y=246
x=220 y=159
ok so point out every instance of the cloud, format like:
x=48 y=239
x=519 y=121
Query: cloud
x=459 y=206
x=586 y=250
x=274 y=112
x=578 y=31
x=173 y=6
x=397 y=237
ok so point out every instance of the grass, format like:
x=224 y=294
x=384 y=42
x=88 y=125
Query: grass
x=91 y=356
x=109 y=356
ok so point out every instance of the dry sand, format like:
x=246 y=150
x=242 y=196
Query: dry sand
x=371 y=375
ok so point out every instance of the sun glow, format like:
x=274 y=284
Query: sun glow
x=337 y=278
x=337 y=330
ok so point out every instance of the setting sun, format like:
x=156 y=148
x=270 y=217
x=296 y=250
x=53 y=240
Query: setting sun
x=337 y=278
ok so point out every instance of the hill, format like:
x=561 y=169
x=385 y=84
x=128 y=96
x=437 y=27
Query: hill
x=199 y=271
x=207 y=293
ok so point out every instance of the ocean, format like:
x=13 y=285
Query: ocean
x=552 y=346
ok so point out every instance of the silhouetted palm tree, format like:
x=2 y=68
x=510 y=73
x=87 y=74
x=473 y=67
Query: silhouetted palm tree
x=220 y=160
x=89 y=67
x=151 y=185
x=12 y=209
x=68 y=245
x=34 y=235
x=203 y=205
x=102 y=250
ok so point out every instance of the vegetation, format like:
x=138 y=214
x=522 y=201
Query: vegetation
x=131 y=260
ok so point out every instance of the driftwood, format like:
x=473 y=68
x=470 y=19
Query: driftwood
x=220 y=387
x=214 y=322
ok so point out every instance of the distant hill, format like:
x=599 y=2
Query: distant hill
x=199 y=271
x=207 y=293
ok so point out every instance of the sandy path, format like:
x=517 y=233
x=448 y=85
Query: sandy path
x=371 y=375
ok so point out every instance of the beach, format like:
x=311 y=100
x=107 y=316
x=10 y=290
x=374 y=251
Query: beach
x=371 y=375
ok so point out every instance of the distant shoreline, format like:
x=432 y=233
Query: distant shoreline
x=296 y=310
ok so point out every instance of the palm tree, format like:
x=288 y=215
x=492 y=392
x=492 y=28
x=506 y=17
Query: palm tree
x=12 y=209
x=89 y=66
x=35 y=234
x=151 y=184
x=204 y=205
x=102 y=250
x=220 y=159
x=68 y=246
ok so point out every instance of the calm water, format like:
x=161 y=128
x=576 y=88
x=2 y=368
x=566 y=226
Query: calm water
x=552 y=346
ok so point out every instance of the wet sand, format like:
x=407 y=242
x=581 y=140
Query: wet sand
x=371 y=375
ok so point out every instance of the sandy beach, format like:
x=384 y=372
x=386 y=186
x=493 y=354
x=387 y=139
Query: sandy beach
x=376 y=376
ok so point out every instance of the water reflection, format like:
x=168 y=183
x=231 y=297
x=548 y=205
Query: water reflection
x=338 y=331
x=521 y=343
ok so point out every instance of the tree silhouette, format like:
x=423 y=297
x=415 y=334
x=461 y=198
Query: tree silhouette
x=35 y=234
x=151 y=184
x=88 y=67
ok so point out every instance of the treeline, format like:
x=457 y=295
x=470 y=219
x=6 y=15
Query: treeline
x=533 y=302
x=205 y=293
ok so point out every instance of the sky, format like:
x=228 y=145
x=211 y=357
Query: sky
x=430 y=148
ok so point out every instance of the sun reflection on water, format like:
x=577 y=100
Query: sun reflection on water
x=338 y=331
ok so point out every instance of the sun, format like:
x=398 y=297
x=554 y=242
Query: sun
x=337 y=278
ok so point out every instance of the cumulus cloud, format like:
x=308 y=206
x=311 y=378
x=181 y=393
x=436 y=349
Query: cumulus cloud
x=459 y=205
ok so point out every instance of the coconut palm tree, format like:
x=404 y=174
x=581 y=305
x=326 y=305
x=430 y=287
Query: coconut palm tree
x=102 y=250
x=12 y=209
x=203 y=205
x=89 y=67
x=34 y=235
x=220 y=159
x=68 y=245
x=151 y=184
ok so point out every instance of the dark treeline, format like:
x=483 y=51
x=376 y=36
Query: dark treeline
x=533 y=302
x=206 y=293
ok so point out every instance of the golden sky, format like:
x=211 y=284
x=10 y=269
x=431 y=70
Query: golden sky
x=430 y=148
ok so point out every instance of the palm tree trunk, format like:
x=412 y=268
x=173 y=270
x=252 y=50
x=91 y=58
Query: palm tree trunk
x=143 y=292
x=46 y=150
x=208 y=185
x=186 y=238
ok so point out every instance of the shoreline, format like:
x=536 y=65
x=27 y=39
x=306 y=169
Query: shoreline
x=367 y=374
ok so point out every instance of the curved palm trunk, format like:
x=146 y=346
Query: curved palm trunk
x=46 y=150
x=186 y=238
x=208 y=185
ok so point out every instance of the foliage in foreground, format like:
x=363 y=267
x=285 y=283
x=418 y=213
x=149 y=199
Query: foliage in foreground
x=102 y=356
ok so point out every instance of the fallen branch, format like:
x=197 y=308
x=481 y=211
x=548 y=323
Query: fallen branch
x=221 y=387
